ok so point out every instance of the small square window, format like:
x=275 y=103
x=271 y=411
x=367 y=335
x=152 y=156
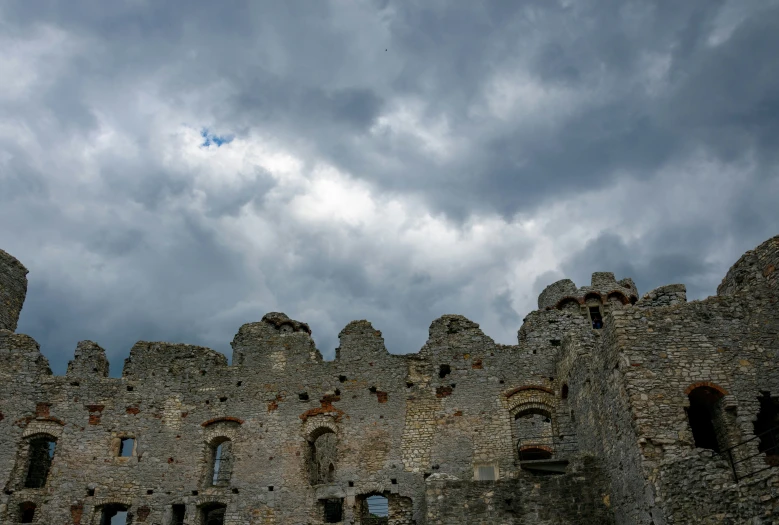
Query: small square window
x=485 y=472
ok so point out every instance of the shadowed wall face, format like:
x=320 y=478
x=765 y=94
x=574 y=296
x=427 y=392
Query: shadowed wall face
x=13 y=289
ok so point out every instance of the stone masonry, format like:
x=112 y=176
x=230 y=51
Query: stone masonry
x=611 y=409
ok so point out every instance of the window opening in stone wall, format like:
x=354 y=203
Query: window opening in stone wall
x=177 y=514
x=564 y=393
x=40 y=456
x=126 y=447
x=444 y=370
x=323 y=457
x=595 y=316
x=375 y=510
x=531 y=453
x=485 y=473
x=704 y=401
x=115 y=515
x=534 y=432
x=213 y=514
x=767 y=428
x=333 y=510
x=221 y=461
x=27 y=512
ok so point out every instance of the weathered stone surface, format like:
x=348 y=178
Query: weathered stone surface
x=573 y=425
x=13 y=289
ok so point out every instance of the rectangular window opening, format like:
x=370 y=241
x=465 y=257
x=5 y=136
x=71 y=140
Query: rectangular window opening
x=178 y=513
x=126 y=447
x=595 y=316
x=114 y=515
x=333 y=510
x=485 y=473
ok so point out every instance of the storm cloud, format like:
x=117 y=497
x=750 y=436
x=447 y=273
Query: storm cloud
x=169 y=171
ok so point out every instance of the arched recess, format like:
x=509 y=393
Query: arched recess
x=322 y=455
x=220 y=437
x=533 y=423
x=708 y=421
x=593 y=299
x=617 y=297
x=568 y=303
x=535 y=430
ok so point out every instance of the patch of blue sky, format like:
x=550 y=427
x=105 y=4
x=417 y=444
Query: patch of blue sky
x=211 y=138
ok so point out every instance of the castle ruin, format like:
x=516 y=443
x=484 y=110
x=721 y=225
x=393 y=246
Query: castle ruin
x=612 y=409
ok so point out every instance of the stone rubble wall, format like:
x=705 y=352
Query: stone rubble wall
x=13 y=289
x=414 y=427
x=577 y=497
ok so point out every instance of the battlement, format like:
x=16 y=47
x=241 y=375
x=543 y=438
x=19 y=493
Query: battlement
x=600 y=400
x=603 y=286
x=756 y=269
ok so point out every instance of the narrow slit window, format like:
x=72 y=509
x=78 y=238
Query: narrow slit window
x=595 y=316
x=221 y=462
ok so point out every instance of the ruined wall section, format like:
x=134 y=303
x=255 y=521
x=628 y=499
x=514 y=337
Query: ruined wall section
x=593 y=370
x=668 y=295
x=575 y=497
x=13 y=289
x=729 y=344
x=756 y=271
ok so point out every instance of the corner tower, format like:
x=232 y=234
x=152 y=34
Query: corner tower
x=13 y=289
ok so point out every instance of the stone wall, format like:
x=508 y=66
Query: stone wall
x=578 y=497
x=13 y=289
x=419 y=428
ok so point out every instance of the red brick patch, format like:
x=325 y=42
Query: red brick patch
x=707 y=384
x=42 y=409
x=76 y=512
x=220 y=419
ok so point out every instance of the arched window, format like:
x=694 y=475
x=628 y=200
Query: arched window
x=705 y=417
x=213 y=514
x=39 y=458
x=324 y=452
x=115 y=514
x=534 y=430
x=27 y=512
x=375 y=510
x=221 y=461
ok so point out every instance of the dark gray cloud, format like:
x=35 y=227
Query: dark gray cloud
x=390 y=160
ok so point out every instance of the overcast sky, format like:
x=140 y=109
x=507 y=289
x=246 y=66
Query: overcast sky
x=172 y=170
